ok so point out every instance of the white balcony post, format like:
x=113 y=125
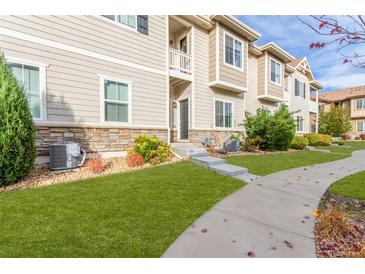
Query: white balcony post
x=317 y=115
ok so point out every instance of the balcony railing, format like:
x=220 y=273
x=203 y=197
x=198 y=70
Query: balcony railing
x=180 y=61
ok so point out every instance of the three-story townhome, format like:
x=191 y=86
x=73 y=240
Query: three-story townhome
x=103 y=80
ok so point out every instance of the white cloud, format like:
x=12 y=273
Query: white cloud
x=343 y=81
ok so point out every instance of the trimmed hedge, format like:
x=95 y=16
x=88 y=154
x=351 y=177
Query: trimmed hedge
x=299 y=142
x=17 y=133
x=317 y=139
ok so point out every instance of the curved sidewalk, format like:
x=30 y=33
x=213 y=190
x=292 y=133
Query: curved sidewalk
x=271 y=217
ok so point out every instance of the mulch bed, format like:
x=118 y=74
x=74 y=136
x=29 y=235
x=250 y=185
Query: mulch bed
x=340 y=227
x=42 y=176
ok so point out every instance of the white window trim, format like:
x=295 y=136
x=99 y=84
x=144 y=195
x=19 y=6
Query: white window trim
x=242 y=52
x=281 y=71
x=102 y=78
x=42 y=82
x=363 y=104
x=224 y=101
x=296 y=125
x=118 y=23
x=303 y=82
x=363 y=126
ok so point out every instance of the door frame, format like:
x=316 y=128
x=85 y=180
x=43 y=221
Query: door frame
x=179 y=118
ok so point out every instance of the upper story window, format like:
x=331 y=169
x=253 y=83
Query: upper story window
x=233 y=51
x=223 y=114
x=116 y=101
x=275 y=72
x=360 y=104
x=136 y=22
x=299 y=88
x=29 y=77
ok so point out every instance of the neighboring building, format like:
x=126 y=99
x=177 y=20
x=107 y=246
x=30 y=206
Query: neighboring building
x=103 y=80
x=352 y=99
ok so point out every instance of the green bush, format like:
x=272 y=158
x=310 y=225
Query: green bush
x=17 y=133
x=340 y=143
x=152 y=149
x=299 y=142
x=271 y=131
x=317 y=139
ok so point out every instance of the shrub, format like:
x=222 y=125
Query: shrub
x=250 y=145
x=362 y=136
x=134 y=159
x=152 y=149
x=17 y=133
x=271 y=132
x=340 y=143
x=316 y=139
x=95 y=164
x=345 y=136
x=299 y=142
x=335 y=122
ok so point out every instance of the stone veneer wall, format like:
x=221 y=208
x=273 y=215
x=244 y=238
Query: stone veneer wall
x=92 y=139
x=218 y=136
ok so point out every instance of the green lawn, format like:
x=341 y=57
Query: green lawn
x=351 y=186
x=137 y=214
x=355 y=145
x=270 y=163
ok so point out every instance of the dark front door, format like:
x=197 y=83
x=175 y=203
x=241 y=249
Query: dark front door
x=184 y=119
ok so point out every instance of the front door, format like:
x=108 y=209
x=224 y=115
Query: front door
x=184 y=119
x=184 y=44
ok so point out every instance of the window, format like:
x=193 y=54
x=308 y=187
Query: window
x=233 y=51
x=360 y=126
x=116 y=101
x=223 y=114
x=128 y=20
x=275 y=72
x=29 y=77
x=300 y=122
x=299 y=88
x=360 y=104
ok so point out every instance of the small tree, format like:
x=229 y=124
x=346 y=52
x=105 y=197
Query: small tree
x=17 y=134
x=335 y=122
x=271 y=132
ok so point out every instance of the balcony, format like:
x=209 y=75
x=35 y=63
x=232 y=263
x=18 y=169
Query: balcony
x=313 y=106
x=180 y=64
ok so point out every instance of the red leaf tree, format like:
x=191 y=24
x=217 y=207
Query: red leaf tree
x=344 y=31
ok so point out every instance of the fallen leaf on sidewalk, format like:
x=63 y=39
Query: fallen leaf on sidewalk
x=204 y=230
x=251 y=254
x=288 y=244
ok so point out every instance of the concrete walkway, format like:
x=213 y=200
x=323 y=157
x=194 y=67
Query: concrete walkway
x=271 y=217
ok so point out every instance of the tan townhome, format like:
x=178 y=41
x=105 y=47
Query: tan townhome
x=103 y=80
x=353 y=100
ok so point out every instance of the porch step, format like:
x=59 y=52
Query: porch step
x=188 y=150
x=247 y=177
x=207 y=161
x=229 y=170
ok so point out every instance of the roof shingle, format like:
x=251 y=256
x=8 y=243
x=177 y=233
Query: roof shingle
x=342 y=94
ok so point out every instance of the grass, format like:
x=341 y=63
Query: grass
x=270 y=163
x=352 y=186
x=355 y=145
x=136 y=214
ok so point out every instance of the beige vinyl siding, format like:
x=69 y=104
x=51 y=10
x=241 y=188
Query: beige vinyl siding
x=229 y=74
x=251 y=102
x=298 y=104
x=73 y=92
x=356 y=113
x=261 y=75
x=204 y=95
x=97 y=35
x=212 y=55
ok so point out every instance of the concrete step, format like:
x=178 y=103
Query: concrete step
x=317 y=149
x=189 y=151
x=247 y=177
x=207 y=161
x=229 y=170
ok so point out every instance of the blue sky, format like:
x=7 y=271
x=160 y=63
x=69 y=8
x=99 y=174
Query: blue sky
x=293 y=36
